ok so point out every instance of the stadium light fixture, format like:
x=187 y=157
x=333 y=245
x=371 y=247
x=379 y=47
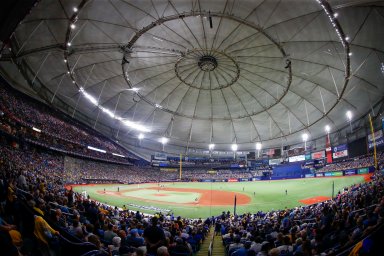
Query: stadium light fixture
x=130 y=124
x=349 y=116
x=211 y=147
x=135 y=89
x=305 y=138
x=73 y=26
x=258 y=148
x=163 y=140
x=107 y=111
x=35 y=129
x=117 y=155
x=97 y=149
x=327 y=128
x=141 y=136
x=75 y=9
x=135 y=126
x=234 y=147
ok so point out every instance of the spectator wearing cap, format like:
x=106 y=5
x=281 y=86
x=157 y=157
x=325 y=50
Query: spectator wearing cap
x=134 y=239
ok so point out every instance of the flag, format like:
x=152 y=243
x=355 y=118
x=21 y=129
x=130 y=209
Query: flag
x=234 y=208
x=328 y=149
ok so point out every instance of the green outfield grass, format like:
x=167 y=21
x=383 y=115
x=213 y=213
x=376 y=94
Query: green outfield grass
x=265 y=195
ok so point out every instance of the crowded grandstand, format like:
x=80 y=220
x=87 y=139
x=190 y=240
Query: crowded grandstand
x=191 y=128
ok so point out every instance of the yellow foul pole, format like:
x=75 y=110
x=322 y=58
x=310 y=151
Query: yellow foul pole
x=181 y=157
x=374 y=141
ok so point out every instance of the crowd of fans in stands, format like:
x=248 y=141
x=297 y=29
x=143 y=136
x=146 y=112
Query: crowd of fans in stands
x=35 y=177
x=20 y=114
x=360 y=162
x=306 y=230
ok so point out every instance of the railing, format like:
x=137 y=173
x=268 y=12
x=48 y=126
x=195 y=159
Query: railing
x=210 y=247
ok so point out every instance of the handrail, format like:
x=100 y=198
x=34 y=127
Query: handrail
x=23 y=192
x=359 y=210
x=64 y=213
x=210 y=247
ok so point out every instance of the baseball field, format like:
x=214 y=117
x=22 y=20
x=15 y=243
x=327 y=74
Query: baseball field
x=203 y=199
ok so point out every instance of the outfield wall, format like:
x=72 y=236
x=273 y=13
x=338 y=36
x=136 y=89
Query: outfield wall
x=348 y=172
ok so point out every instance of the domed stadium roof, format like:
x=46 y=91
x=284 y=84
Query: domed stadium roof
x=201 y=71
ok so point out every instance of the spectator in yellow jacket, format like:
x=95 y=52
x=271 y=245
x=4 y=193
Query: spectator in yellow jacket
x=42 y=230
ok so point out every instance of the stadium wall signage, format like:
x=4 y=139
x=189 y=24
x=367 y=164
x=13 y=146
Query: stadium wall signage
x=340 y=151
x=379 y=139
x=318 y=155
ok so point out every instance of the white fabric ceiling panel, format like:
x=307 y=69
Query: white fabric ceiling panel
x=266 y=70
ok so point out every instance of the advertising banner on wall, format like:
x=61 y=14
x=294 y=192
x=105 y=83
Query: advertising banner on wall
x=275 y=161
x=350 y=172
x=168 y=170
x=318 y=155
x=331 y=174
x=363 y=171
x=340 y=151
x=298 y=158
x=160 y=156
x=382 y=123
x=379 y=139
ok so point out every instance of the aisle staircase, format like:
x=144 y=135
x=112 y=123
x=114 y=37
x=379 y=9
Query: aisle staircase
x=212 y=244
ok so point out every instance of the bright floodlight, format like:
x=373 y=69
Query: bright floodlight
x=134 y=89
x=75 y=9
x=163 y=140
x=258 y=146
x=305 y=136
x=234 y=147
x=327 y=128
x=349 y=115
x=73 y=26
x=141 y=136
x=211 y=146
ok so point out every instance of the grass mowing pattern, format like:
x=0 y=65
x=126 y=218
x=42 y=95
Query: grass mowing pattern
x=269 y=195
